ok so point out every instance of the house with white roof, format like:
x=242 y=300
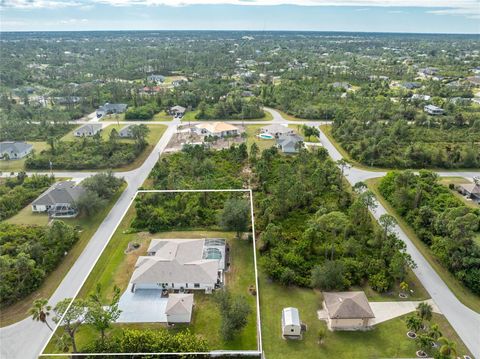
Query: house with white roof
x=433 y=110
x=181 y=265
x=219 y=129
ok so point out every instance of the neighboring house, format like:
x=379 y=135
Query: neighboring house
x=411 y=85
x=126 y=132
x=13 y=150
x=290 y=143
x=219 y=129
x=347 y=310
x=472 y=190
x=87 y=130
x=277 y=130
x=177 y=111
x=181 y=265
x=179 y=308
x=420 y=97
x=156 y=78
x=111 y=108
x=341 y=85
x=291 y=325
x=433 y=110
x=59 y=200
x=475 y=80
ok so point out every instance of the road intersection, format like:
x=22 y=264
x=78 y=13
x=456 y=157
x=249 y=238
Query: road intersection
x=25 y=339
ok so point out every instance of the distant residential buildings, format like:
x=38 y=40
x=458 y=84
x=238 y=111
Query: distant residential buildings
x=111 y=108
x=433 y=110
x=14 y=150
x=156 y=78
x=87 y=130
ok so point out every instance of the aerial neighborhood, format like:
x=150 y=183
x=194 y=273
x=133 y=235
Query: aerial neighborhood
x=247 y=194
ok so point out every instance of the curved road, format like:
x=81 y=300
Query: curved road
x=14 y=338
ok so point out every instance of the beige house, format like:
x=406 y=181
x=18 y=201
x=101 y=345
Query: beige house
x=219 y=129
x=347 y=310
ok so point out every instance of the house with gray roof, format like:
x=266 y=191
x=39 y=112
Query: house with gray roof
x=111 y=108
x=290 y=143
x=347 y=310
x=471 y=190
x=88 y=130
x=156 y=78
x=59 y=201
x=177 y=111
x=126 y=132
x=181 y=265
x=13 y=150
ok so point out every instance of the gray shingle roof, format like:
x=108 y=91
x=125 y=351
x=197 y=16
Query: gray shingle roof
x=14 y=147
x=89 y=128
x=61 y=192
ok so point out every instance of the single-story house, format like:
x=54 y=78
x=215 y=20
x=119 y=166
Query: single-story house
x=420 y=97
x=13 y=150
x=220 y=129
x=179 y=308
x=59 y=200
x=156 y=78
x=341 y=85
x=291 y=325
x=126 y=132
x=111 y=108
x=290 y=143
x=180 y=265
x=277 y=130
x=411 y=85
x=87 y=130
x=433 y=110
x=347 y=310
x=177 y=111
x=472 y=190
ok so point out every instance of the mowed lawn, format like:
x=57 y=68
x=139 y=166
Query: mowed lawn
x=386 y=340
x=19 y=165
x=87 y=227
x=115 y=267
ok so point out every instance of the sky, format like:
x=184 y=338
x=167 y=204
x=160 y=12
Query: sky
x=413 y=16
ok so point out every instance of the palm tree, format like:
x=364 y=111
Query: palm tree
x=413 y=322
x=448 y=348
x=424 y=311
x=40 y=310
x=434 y=332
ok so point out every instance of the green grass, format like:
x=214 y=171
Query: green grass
x=298 y=129
x=162 y=116
x=387 y=339
x=115 y=267
x=19 y=165
x=18 y=311
x=190 y=116
x=252 y=131
x=461 y=292
x=288 y=117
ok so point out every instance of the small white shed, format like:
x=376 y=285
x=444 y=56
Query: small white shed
x=291 y=326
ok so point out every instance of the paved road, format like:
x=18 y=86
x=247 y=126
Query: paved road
x=13 y=338
x=465 y=321
x=25 y=339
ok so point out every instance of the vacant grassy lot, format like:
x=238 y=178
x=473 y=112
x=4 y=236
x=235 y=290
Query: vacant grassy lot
x=115 y=268
x=19 y=165
x=386 y=340
x=463 y=294
x=88 y=226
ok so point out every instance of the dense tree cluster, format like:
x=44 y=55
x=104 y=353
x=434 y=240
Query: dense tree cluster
x=195 y=167
x=89 y=153
x=440 y=220
x=314 y=232
x=231 y=108
x=28 y=254
x=426 y=143
x=17 y=192
x=144 y=112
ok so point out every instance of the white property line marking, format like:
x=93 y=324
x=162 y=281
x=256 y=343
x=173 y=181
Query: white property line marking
x=258 y=352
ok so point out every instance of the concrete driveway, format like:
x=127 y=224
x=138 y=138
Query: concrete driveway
x=143 y=306
x=388 y=310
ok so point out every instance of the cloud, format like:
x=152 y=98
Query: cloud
x=467 y=8
x=73 y=21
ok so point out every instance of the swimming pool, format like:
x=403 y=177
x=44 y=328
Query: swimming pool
x=265 y=136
